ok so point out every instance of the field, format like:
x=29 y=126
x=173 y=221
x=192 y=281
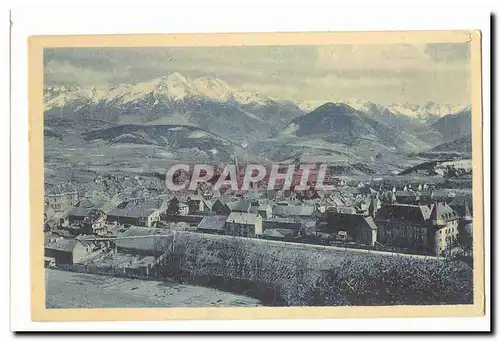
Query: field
x=76 y=290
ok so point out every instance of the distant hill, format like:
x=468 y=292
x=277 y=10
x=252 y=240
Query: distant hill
x=443 y=167
x=173 y=138
x=454 y=126
x=337 y=132
x=339 y=123
x=461 y=145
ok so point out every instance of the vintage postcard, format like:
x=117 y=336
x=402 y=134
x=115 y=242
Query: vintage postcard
x=252 y=176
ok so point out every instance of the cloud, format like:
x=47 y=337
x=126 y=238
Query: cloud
x=64 y=72
x=382 y=73
x=448 y=53
x=373 y=57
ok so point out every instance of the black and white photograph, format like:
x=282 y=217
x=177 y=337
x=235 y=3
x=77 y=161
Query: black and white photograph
x=258 y=176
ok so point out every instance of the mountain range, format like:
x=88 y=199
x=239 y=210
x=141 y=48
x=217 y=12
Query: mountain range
x=208 y=103
x=229 y=121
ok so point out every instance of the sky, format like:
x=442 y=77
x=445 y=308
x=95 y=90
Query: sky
x=384 y=74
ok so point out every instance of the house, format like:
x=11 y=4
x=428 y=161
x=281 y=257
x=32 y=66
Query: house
x=426 y=197
x=196 y=204
x=335 y=200
x=61 y=198
x=344 y=210
x=87 y=220
x=461 y=205
x=215 y=194
x=407 y=197
x=443 y=195
x=417 y=227
x=241 y=206
x=366 y=190
x=388 y=197
x=208 y=205
x=359 y=228
x=243 y=224
x=220 y=207
x=67 y=251
x=94 y=222
x=374 y=206
x=137 y=213
x=361 y=207
x=213 y=224
x=265 y=211
x=77 y=215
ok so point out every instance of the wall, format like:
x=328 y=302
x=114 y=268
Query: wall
x=403 y=234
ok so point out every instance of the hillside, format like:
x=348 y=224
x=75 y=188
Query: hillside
x=176 y=139
x=454 y=126
x=336 y=132
x=461 y=145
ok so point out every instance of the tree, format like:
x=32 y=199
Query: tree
x=173 y=206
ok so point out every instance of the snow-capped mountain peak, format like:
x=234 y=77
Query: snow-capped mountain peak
x=174 y=87
x=405 y=109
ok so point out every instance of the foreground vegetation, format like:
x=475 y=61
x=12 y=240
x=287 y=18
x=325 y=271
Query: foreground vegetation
x=293 y=276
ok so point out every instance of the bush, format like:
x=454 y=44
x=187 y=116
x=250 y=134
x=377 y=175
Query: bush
x=396 y=281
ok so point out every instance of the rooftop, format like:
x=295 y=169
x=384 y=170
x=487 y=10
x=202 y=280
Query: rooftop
x=213 y=223
x=66 y=245
x=243 y=218
x=442 y=213
x=239 y=206
x=294 y=210
x=416 y=214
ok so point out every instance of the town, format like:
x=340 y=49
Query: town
x=413 y=217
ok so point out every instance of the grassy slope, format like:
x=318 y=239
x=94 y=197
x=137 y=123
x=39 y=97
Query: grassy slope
x=284 y=275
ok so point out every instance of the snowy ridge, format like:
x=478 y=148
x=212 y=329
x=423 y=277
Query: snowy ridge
x=424 y=111
x=172 y=88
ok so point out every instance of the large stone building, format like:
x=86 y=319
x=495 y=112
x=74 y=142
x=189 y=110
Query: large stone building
x=445 y=222
x=419 y=228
